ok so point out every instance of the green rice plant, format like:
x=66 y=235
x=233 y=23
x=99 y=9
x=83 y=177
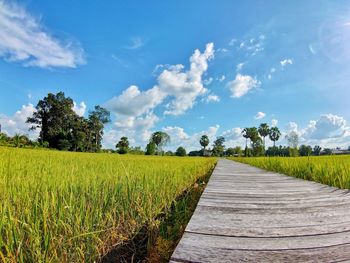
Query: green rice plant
x=330 y=170
x=75 y=207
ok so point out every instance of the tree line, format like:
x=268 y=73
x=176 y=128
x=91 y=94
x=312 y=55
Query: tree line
x=60 y=127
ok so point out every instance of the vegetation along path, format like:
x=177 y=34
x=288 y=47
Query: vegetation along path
x=249 y=214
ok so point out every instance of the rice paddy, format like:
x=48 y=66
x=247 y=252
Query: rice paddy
x=76 y=207
x=330 y=170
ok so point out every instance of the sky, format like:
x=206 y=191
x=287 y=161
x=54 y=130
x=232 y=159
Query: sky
x=184 y=67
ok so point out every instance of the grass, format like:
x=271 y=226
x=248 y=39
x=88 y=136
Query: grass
x=330 y=170
x=75 y=207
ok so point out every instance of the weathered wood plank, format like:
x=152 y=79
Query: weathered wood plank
x=250 y=215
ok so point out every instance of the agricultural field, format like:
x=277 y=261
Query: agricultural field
x=75 y=207
x=330 y=170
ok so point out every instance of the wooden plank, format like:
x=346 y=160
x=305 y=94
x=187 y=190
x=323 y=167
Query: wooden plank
x=248 y=214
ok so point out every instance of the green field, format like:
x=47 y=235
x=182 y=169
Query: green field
x=330 y=170
x=74 y=207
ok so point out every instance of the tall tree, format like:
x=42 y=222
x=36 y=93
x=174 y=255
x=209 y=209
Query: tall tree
x=317 y=150
x=218 y=146
x=274 y=135
x=246 y=135
x=97 y=119
x=264 y=131
x=204 y=141
x=54 y=116
x=160 y=138
x=123 y=145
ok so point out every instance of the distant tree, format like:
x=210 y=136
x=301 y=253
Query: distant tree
x=246 y=135
x=264 y=131
x=136 y=150
x=274 y=135
x=327 y=151
x=151 y=148
x=293 y=141
x=317 y=150
x=204 y=142
x=160 y=139
x=123 y=145
x=97 y=119
x=180 y=151
x=218 y=146
x=236 y=151
x=305 y=150
x=53 y=116
x=169 y=153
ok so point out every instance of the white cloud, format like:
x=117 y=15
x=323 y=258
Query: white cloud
x=274 y=122
x=242 y=84
x=326 y=127
x=239 y=66
x=79 y=109
x=136 y=43
x=221 y=79
x=286 y=61
x=23 y=38
x=212 y=98
x=17 y=123
x=133 y=102
x=260 y=115
x=269 y=76
x=232 y=42
x=208 y=81
x=177 y=89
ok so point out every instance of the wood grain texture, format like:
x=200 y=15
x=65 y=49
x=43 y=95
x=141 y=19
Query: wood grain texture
x=246 y=214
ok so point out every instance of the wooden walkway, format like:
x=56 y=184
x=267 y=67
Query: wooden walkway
x=251 y=215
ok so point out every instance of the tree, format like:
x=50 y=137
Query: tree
x=327 y=151
x=305 y=150
x=317 y=150
x=264 y=131
x=236 y=151
x=246 y=136
x=204 y=141
x=123 y=145
x=97 y=119
x=160 y=139
x=274 y=135
x=218 y=146
x=151 y=148
x=293 y=141
x=54 y=116
x=180 y=151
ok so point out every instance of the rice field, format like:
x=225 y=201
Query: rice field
x=330 y=170
x=75 y=207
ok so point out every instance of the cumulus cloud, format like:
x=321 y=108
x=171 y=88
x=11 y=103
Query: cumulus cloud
x=24 y=39
x=17 y=122
x=326 y=127
x=176 y=89
x=79 y=109
x=242 y=84
x=260 y=115
x=286 y=61
x=212 y=98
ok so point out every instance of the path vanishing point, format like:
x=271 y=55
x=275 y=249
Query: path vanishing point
x=247 y=214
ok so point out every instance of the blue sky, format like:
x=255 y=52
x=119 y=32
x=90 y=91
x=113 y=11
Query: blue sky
x=186 y=67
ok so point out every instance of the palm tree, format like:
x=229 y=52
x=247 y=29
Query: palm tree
x=204 y=141
x=246 y=135
x=274 y=136
x=264 y=131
